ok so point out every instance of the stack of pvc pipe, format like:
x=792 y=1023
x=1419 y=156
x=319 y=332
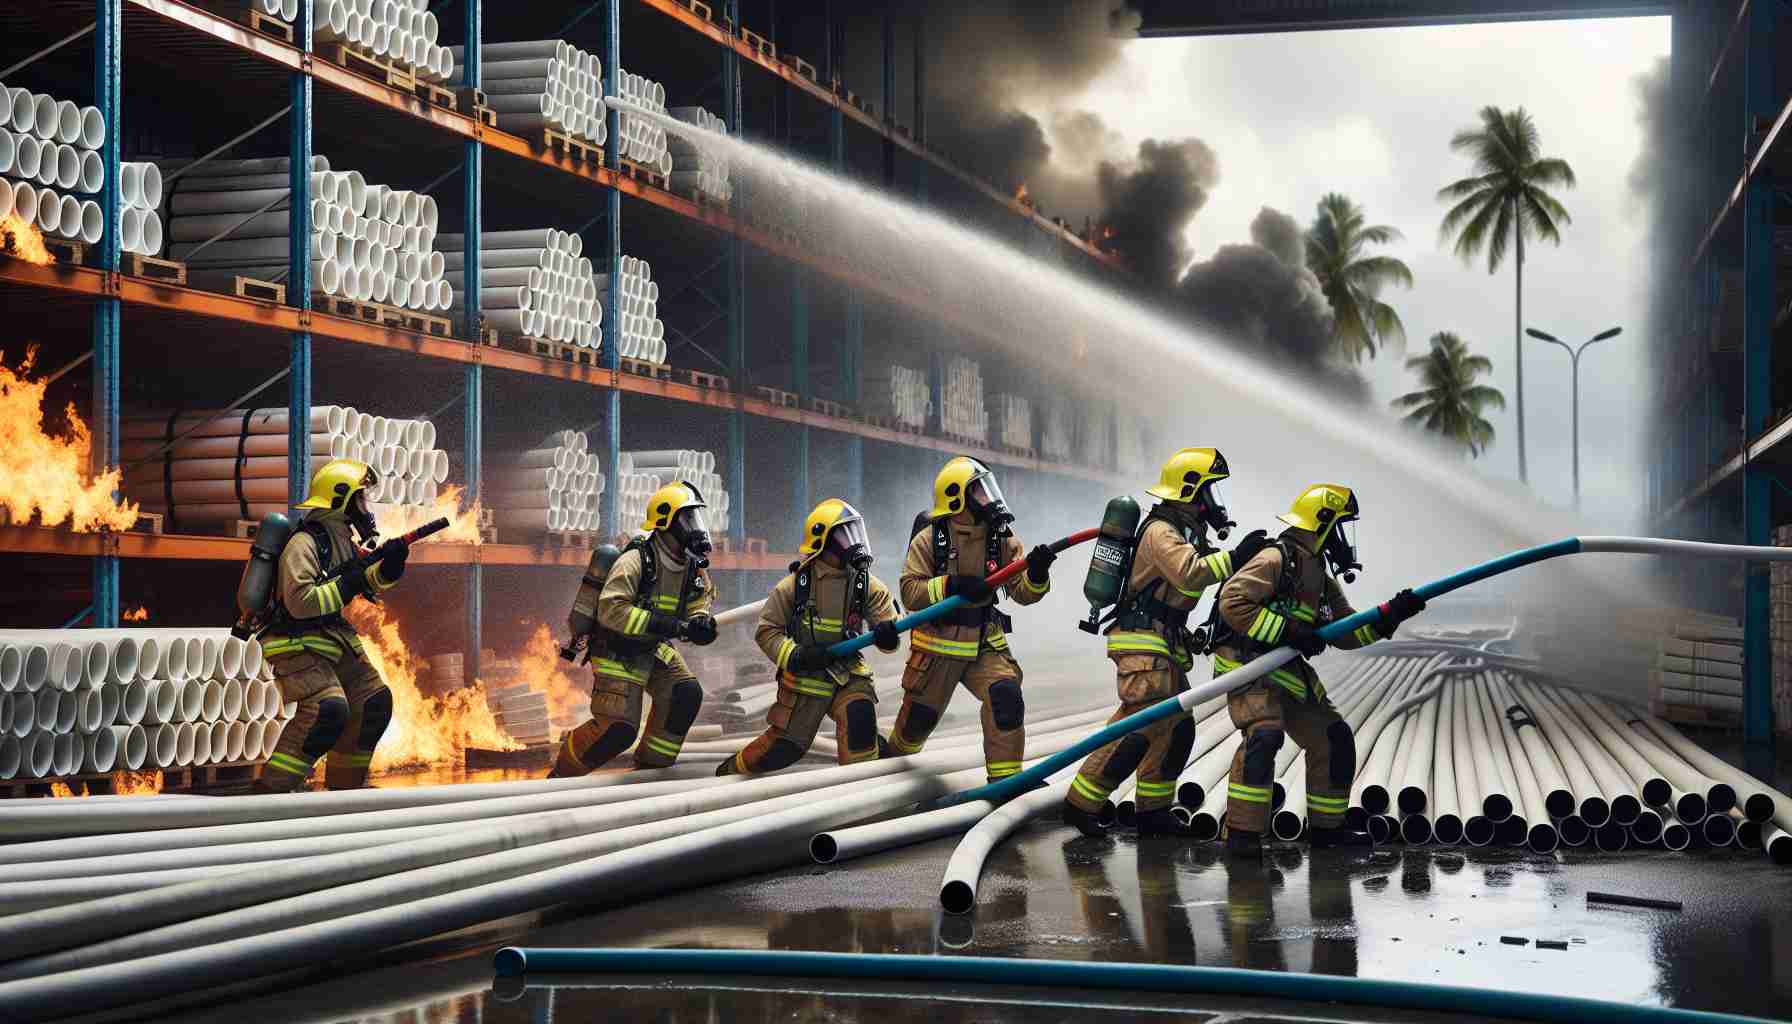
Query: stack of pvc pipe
x=521 y=711
x=140 y=204
x=544 y=83
x=642 y=473
x=92 y=701
x=535 y=283
x=898 y=393
x=963 y=413
x=400 y=31
x=1014 y=420
x=1698 y=674
x=49 y=153
x=280 y=10
x=225 y=461
x=1056 y=438
x=643 y=141
x=369 y=243
x=556 y=486
x=696 y=166
x=642 y=335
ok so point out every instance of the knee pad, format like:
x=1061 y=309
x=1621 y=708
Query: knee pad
x=1260 y=755
x=687 y=698
x=1006 y=705
x=919 y=724
x=781 y=754
x=861 y=725
x=332 y=718
x=1127 y=755
x=376 y=714
x=1182 y=740
x=612 y=741
x=1343 y=744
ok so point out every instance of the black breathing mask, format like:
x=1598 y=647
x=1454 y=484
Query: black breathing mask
x=691 y=530
x=1210 y=508
x=851 y=544
x=1340 y=550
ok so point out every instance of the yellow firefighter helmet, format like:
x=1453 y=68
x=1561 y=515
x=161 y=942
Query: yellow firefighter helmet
x=336 y=482
x=667 y=502
x=965 y=482
x=1187 y=472
x=839 y=521
x=1321 y=507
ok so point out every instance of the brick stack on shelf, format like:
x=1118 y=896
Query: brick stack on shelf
x=395 y=35
x=641 y=334
x=697 y=168
x=1014 y=422
x=556 y=487
x=643 y=141
x=534 y=284
x=49 y=156
x=369 y=243
x=544 y=85
x=897 y=396
x=962 y=414
x=227 y=468
x=639 y=474
x=1057 y=437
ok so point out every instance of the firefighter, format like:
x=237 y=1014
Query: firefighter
x=658 y=590
x=963 y=538
x=829 y=595
x=1285 y=595
x=1173 y=564
x=344 y=705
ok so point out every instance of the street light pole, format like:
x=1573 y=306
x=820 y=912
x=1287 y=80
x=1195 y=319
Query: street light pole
x=1574 y=363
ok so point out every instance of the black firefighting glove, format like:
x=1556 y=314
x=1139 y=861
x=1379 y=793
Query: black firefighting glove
x=810 y=658
x=393 y=554
x=971 y=588
x=885 y=636
x=1303 y=638
x=1398 y=609
x=1039 y=564
x=701 y=629
x=352 y=582
x=1248 y=547
x=666 y=627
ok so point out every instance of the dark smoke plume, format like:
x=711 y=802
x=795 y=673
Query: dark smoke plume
x=1149 y=202
x=1657 y=181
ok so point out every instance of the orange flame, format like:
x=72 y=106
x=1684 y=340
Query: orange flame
x=20 y=239
x=567 y=686
x=47 y=475
x=463 y=524
x=425 y=730
x=137 y=614
x=132 y=783
x=1022 y=196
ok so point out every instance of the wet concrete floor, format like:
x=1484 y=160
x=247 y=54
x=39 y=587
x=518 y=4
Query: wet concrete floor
x=1428 y=914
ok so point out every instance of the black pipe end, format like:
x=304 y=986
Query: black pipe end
x=1206 y=826
x=1375 y=799
x=1286 y=825
x=1758 y=807
x=1107 y=815
x=1415 y=830
x=1381 y=828
x=1720 y=798
x=1573 y=830
x=1126 y=813
x=957 y=897
x=510 y=962
x=1780 y=850
x=1559 y=803
x=1278 y=795
x=1719 y=830
x=1356 y=819
x=1411 y=800
x=1479 y=830
x=1447 y=829
x=1626 y=809
x=1657 y=791
x=1497 y=807
x=1676 y=836
x=1646 y=828
x=1191 y=795
x=1611 y=838
x=1595 y=812
x=823 y=849
x=1748 y=835
x=1543 y=838
x=1690 y=808
x=1510 y=832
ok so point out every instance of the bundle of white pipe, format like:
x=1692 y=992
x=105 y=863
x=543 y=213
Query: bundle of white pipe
x=115 y=699
x=898 y=393
x=536 y=283
x=639 y=474
x=544 y=83
x=641 y=334
x=139 y=213
x=1014 y=421
x=697 y=166
x=961 y=399
x=557 y=486
x=401 y=31
x=49 y=155
x=1055 y=439
x=202 y=471
x=368 y=243
x=643 y=141
x=281 y=10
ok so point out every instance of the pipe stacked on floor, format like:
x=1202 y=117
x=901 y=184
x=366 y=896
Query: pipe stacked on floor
x=898 y=393
x=637 y=299
x=544 y=83
x=700 y=167
x=1014 y=421
x=536 y=283
x=400 y=31
x=1056 y=437
x=1704 y=674
x=92 y=701
x=369 y=243
x=49 y=154
x=556 y=486
x=232 y=465
x=963 y=413
x=643 y=141
x=642 y=473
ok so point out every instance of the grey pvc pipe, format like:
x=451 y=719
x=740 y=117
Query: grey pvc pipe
x=1613 y=783
x=958 y=888
x=1539 y=756
x=1756 y=799
x=1493 y=762
x=1540 y=835
x=1414 y=778
x=1446 y=802
x=1614 y=739
x=1717 y=796
x=837 y=845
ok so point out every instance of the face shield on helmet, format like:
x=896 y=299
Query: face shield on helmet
x=690 y=528
x=850 y=543
x=360 y=515
x=1340 y=550
x=1210 y=505
x=984 y=498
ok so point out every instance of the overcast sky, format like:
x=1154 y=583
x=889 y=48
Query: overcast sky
x=1370 y=114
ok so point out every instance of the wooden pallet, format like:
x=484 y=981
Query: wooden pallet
x=571 y=148
x=1024 y=453
x=701 y=9
x=253 y=288
x=244 y=529
x=783 y=399
x=529 y=757
x=644 y=173
x=554 y=350
x=800 y=66
x=271 y=27
x=166 y=271
x=212 y=778
x=147 y=522
x=435 y=95
x=700 y=379
x=827 y=408
x=643 y=368
x=367 y=65
x=569 y=538
x=1710 y=718
x=66 y=250
x=754 y=546
x=384 y=315
x=890 y=423
x=761 y=45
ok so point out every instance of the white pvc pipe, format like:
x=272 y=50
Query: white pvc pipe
x=10 y=756
x=38 y=755
x=66 y=754
x=24 y=714
x=100 y=751
x=202 y=743
x=958 y=887
x=163 y=742
x=186 y=744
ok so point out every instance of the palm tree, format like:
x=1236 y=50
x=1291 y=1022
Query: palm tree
x=1506 y=202
x=1450 y=402
x=1352 y=281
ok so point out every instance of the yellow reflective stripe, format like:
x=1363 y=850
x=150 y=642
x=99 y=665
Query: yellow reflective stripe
x=998 y=641
x=1002 y=769
x=904 y=746
x=329 y=596
x=1091 y=790
x=666 y=602
x=1287 y=681
x=786 y=648
x=1366 y=634
x=289 y=764
x=1267 y=627
x=1140 y=642
x=360 y=760
x=811 y=686
x=1249 y=794
x=1156 y=788
x=665 y=654
x=1304 y=612
x=1328 y=803
x=936 y=590
x=635 y=622
x=1220 y=564
x=618 y=669
x=660 y=744
x=1027 y=581
x=940 y=645
x=378 y=581
x=292 y=645
x=869 y=755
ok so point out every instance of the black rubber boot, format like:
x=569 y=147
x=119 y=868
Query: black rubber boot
x=727 y=767
x=1244 y=845
x=1084 y=822
x=1338 y=838
x=883 y=748
x=1162 y=822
